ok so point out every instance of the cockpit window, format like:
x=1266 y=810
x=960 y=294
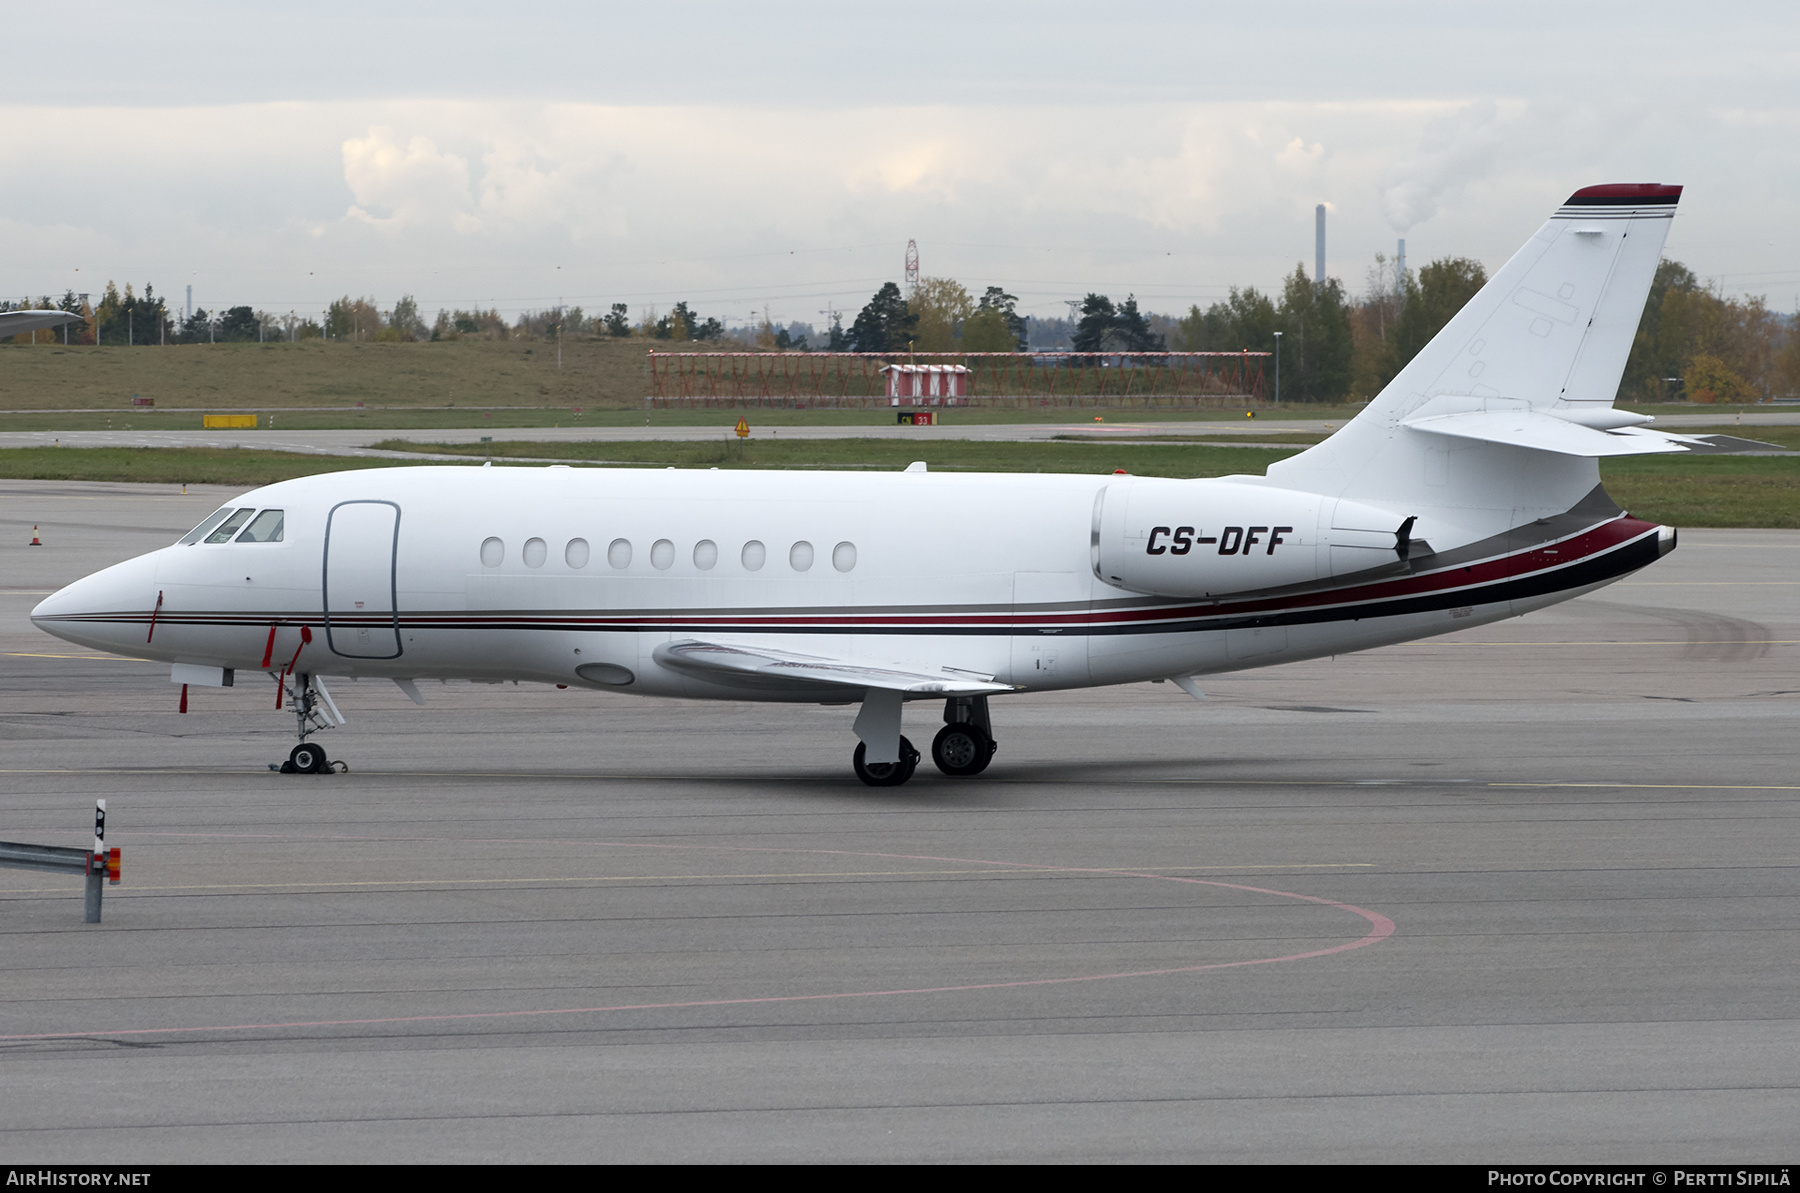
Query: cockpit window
x=231 y=525
x=265 y=529
x=201 y=531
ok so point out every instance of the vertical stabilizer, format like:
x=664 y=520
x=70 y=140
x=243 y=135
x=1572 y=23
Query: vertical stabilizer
x=1549 y=333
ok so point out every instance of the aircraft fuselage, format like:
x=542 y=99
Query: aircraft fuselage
x=558 y=575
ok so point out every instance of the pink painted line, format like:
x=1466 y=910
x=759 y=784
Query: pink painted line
x=1380 y=928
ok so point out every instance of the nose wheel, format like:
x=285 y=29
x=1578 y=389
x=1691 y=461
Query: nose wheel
x=309 y=759
x=306 y=759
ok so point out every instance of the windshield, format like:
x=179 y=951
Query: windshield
x=201 y=531
x=266 y=528
x=230 y=526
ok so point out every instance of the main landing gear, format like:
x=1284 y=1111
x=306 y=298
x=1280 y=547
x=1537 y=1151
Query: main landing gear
x=962 y=750
x=885 y=774
x=964 y=746
x=315 y=711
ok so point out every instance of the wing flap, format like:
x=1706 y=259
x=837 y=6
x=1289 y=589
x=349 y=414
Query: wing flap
x=765 y=667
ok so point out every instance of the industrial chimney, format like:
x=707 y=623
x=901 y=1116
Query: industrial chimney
x=1319 y=246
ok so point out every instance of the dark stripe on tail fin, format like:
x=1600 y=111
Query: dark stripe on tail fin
x=1626 y=194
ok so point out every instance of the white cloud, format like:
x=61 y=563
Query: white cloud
x=415 y=185
x=292 y=204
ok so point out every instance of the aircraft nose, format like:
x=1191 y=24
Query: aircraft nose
x=107 y=610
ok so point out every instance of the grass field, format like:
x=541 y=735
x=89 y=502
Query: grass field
x=314 y=373
x=463 y=418
x=961 y=455
x=1721 y=491
x=1301 y=438
x=315 y=385
x=1786 y=437
x=403 y=384
x=248 y=467
x=1727 y=491
x=172 y=465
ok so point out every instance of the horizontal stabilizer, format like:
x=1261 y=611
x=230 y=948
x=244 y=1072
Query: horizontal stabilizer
x=763 y=667
x=1547 y=433
x=15 y=323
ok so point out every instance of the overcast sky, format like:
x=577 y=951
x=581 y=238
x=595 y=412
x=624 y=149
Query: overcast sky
x=781 y=155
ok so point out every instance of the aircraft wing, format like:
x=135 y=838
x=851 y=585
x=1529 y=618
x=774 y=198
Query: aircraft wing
x=14 y=323
x=765 y=667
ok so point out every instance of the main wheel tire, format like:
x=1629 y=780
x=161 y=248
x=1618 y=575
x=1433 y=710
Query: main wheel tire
x=886 y=774
x=962 y=749
x=307 y=759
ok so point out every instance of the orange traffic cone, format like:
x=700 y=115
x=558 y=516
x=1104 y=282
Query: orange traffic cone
x=35 y=541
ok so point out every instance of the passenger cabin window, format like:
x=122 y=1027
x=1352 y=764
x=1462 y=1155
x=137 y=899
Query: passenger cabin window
x=493 y=552
x=576 y=553
x=264 y=528
x=205 y=528
x=231 y=525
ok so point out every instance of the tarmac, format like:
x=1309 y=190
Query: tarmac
x=1525 y=894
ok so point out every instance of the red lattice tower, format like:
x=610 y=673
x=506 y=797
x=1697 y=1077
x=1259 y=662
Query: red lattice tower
x=912 y=267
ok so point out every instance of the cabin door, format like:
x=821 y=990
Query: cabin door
x=362 y=619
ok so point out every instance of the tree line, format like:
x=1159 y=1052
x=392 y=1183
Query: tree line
x=1692 y=342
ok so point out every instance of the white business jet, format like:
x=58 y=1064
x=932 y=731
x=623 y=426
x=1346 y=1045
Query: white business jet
x=1467 y=492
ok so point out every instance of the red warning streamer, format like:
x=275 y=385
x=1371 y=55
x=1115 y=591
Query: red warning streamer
x=153 y=614
x=305 y=640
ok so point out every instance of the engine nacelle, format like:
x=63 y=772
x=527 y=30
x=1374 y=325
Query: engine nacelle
x=1213 y=538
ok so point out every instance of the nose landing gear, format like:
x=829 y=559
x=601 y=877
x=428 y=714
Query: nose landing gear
x=315 y=711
